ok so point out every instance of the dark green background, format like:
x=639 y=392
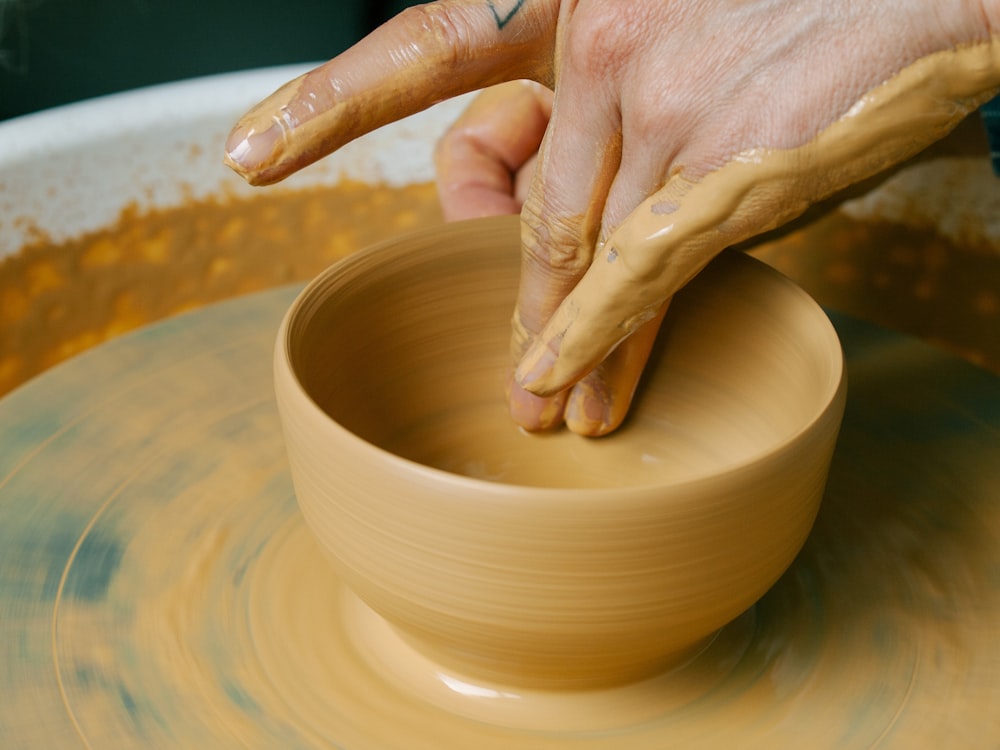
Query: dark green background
x=58 y=51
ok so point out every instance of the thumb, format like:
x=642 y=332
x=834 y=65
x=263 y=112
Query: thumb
x=424 y=55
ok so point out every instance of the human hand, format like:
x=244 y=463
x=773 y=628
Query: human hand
x=487 y=158
x=690 y=119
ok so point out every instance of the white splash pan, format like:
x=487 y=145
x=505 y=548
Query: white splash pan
x=72 y=169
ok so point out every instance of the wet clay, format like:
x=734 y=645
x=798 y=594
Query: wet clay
x=576 y=563
x=57 y=299
x=158 y=587
x=906 y=279
x=676 y=230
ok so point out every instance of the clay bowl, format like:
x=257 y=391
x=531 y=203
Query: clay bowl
x=551 y=560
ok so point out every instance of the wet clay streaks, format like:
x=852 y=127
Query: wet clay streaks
x=57 y=299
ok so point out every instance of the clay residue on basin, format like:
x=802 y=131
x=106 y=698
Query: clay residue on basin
x=57 y=299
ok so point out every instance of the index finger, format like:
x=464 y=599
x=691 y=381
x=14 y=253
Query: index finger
x=424 y=55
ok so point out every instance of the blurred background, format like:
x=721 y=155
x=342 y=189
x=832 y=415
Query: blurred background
x=58 y=51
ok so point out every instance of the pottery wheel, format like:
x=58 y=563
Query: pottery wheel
x=158 y=589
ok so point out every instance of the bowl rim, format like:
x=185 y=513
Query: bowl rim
x=834 y=398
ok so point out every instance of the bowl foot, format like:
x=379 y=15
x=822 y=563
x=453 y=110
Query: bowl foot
x=394 y=656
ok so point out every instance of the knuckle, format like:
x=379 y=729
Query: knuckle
x=602 y=38
x=440 y=30
x=554 y=241
x=641 y=268
x=650 y=124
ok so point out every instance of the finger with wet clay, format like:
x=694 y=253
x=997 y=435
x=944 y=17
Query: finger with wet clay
x=599 y=402
x=624 y=290
x=560 y=222
x=480 y=159
x=424 y=55
x=598 y=46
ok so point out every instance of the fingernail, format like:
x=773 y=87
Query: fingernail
x=587 y=413
x=259 y=143
x=590 y=409
x=249 y=147
x=536 y=364
x=535 y=413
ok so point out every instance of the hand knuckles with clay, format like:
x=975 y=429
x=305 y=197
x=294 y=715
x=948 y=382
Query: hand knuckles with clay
x=552 y=241
x=699 y=94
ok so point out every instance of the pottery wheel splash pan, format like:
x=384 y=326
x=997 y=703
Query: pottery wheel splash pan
x=158 y=588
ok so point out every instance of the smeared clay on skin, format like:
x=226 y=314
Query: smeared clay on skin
x=556 y=251
x=396 y=71
x=756 y=191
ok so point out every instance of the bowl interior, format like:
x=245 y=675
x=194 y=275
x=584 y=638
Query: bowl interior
x=406 y=345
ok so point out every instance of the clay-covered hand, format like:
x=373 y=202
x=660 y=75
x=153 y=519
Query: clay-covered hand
x=677 y=128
